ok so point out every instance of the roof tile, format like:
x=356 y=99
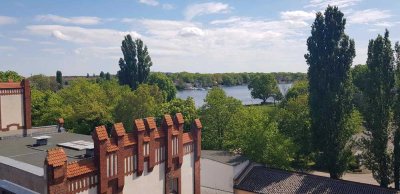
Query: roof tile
x=168 y=120
x=139 y=124
x=101 y=133
x=129 y=139
x=179 y=118
x=151 y=123
x=187 y=138
x=56 y=157
x=78 y=168
x=119 y=129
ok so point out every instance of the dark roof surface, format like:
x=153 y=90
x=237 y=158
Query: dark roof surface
x=14 y=188
x=23 y=149
x=261 y=179
x=223 y=157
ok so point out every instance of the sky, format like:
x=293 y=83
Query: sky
x=80 y=37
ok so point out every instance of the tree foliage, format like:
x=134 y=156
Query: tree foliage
x=330 y=54
x=59 y=79
x=253 y=134
x=164 y=84
x=215 y=115
x=43 y=83
x=135 y=66
x=379 y=95
x=5 y=76
x=396 y=141
x=263 y=86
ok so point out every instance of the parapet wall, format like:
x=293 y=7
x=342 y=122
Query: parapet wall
x=120 y=154
x=15 y=105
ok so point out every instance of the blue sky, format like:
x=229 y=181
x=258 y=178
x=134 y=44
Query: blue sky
x=79 y=37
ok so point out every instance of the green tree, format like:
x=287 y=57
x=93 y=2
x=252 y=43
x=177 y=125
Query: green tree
x=164 y=84
x=87 y=106
x=257 y=137
x=108 y=76
x=47 y=106
x=5 y=76
x=359 y=77
x=186 y=107
x=145 y=101
x=59 y=79
x=330 y=54
x=102 y=75
x=396 y=141
x=215 y=115
x=135 y=67
x=299 y=88
x=43 y=83
x=380 y=83
x=263 y=86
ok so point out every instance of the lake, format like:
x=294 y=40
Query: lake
x=239 y=92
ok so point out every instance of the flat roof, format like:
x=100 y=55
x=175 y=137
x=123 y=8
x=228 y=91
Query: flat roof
x=23 y=149
x=224 y=157
x=14 y=188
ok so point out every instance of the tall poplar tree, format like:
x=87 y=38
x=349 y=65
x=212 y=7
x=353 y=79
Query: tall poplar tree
x=379 y=96
x=135 y=66
x=396 y=141
x=330 y=55
x=59 y=79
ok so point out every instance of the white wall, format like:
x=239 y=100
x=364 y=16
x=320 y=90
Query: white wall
x=148 y=182
x=12 y=110
x=216 y=175
x=187 y=174
x=92 y=190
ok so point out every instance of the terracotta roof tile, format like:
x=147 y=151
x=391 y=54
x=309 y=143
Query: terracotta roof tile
x=101 y=133
x=187 y=138
x=139 y=125
x=146 y=139
x=198 y=124
x=151 y=123
x=179 y=118
x=56 y=157
x=119 y=129
x=168 y=120
x=129 y=139
x=79 y=168
x=111 y=146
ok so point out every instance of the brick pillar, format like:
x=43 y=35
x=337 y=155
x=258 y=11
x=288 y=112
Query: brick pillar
x=56 y=171
x=151 y=126
x=196 y=132
x=27 y=105
x=140 y=128
x=119 y=133
x=100 y=139
x=167 y=125
x=179 y=121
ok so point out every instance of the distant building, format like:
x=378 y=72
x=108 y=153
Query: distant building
x=223 y=173
x=15 y=106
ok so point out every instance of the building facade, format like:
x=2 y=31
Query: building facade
x=15 y=105
x=150 y=159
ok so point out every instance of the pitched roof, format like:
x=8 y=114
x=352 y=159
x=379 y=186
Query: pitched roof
x=139 y=124
x=101 y=133
x=129 y=139
x=261 y=179
x=56 y=157
x=151 y=123
x=179 y=118
x=111 y=145
x=78 y=168
x=187 y=137
x=168 y=120
x=119 y=129
x=198 y=124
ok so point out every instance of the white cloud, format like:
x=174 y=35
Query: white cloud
x=79 y=34
x=297 y=15
x=149 y=2
x=322 y=4
x=191 y=31
x=368 y=16
x=7 y=20
x=206 y=8
x=81 y=20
